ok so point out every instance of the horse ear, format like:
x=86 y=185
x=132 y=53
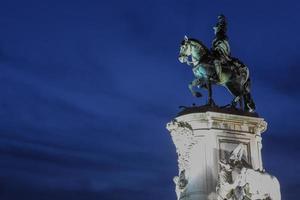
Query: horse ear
x=186 y=38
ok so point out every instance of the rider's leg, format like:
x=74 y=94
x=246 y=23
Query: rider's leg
x=218 y=68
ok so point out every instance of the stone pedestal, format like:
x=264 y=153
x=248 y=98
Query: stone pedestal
x=202 y=139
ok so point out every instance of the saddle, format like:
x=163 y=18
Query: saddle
x=235 y=65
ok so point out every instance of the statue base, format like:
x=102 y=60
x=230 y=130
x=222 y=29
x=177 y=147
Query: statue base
x=205 y=108
x=204 y=136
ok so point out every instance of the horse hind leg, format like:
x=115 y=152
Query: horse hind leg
x=235 y=101
x=236 y=93
x=249 y=104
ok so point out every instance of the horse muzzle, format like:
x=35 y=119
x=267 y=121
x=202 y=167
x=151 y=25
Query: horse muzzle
x=182 y=58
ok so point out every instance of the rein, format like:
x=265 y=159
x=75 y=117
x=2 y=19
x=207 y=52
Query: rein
x=197 y=61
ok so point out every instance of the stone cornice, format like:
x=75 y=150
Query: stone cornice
x=224 y=121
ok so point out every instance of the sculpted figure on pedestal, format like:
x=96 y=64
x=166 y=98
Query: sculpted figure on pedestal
x=183 y=138
x=181 y=183
x=237 y=182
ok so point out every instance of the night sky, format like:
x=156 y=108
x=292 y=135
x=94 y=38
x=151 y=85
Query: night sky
x=87 y=88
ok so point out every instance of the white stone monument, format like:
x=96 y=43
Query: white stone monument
x=203 y=139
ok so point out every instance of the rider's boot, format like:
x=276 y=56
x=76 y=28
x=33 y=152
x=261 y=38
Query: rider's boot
x=218 y=69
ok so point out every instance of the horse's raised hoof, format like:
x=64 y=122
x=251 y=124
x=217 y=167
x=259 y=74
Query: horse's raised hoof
x=197 y=94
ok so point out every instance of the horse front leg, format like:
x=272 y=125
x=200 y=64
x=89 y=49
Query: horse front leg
x=194 y=83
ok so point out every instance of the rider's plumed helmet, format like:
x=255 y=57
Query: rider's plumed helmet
x=221 y=27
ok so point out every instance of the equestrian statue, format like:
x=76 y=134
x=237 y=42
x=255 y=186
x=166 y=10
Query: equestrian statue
x=216 y=66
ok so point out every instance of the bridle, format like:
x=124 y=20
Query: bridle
x=194 y=63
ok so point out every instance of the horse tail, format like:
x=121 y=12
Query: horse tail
x=248 y=102
x=247 y=74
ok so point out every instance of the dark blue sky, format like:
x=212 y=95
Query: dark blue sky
x=88 y=86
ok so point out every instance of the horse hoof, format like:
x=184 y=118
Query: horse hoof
x=251 y=111
x=198 y=94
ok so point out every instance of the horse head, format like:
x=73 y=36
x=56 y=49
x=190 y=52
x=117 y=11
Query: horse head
x=185 y=50
x=191 y=48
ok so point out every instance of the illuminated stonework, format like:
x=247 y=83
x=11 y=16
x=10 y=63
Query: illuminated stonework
x=202 y=140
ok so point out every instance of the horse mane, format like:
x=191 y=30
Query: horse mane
x=199 y=42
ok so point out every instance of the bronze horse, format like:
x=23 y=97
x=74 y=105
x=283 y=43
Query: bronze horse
x=234 y=75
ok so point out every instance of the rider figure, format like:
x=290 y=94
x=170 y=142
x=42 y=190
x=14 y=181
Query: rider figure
x=220 y=46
